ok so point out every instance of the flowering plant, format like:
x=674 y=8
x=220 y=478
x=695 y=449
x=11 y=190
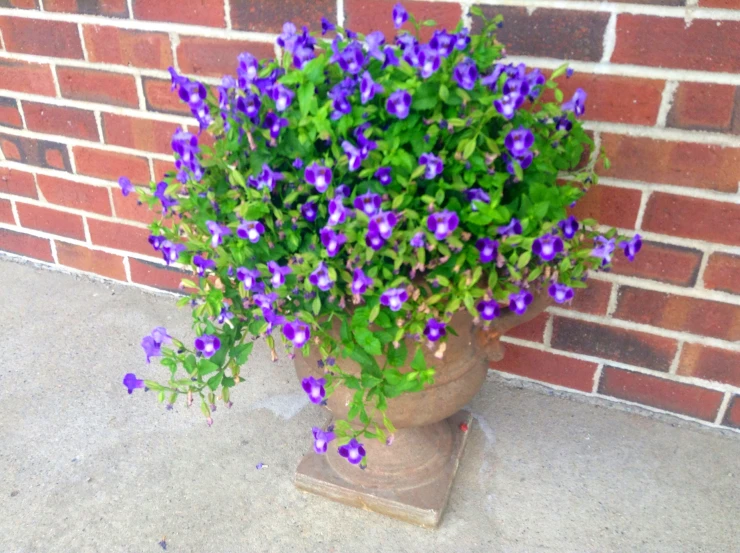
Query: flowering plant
x=375 y=187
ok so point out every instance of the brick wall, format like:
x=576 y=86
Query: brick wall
x=85 y=98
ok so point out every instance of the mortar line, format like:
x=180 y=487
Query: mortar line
x=22 y=113
x=2 y=41
x=130 y=5
x=140 y=92
x=666 y=103
x=99 y=125
x=702 y=269
x=613 y=299
x=152 y=176
x=86 y=228
x=340 y=13
x=673 y=369
x=174 y=43
x=71 y=155
x=127 y=269
x=14 y=210
x=699 y=193
x=227 y=14
x=54 y=254
x=82 y=42
x=597 y=377
x=547 y=334
x=55 y=78
x=112 y=203
x=644 y=198
x=610 y=39
x=722 y=411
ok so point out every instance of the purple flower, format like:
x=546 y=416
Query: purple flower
x=156 y=242
x=266 y=179
x=319 y=176
x=569 y=72
x=352 y=59
x=152 y=343
x=443 y=42
x=382 y=224
x=631 y=247
x=320 y=278
x=368 y=88
x=434 y=330
x=535 y=80
x=488 y=309
x=477 y=195
x=366 y=145
x=337 y=212
x=442 y=224
x=577 y=104
x=462 y=40
x=569 y=227
x=368 y=203
x=265 y=301
x=275 y=123
x=247 y=69
x=417 y=240
x=131 y=382
x=282 y=97
x=466 y=74
x=249 y=105
x=383 y=174
x=297 y=332
x=488 y=249
x=126 y=186
x=250 y=230
x=563 y=124
x=332 y=241
x=508 y=104
x=394 y=298
x=519 y=301
x=400 y=16
x=434 y=165
x=326 y=26
x=309 y=211
x=340 y=103
x=247 y=276
x=185 y=145
x=354 y=452
x=298 y=163
x=203 y=264
x=207 y=344
x=288 y=37
x=167 y=201
x=191 y=93
x=354 y=155
x=390 y=57
x=519 y=141
x=272 y=319
x=321 y=440
x=170 y=251
x=514 y=227
x=560 y=292
x=224 y=315
x=374 y=240
x=278 y=273
x=399 y=104
x=406 y=41
x=429 y=61
x=547 y=246
x=603 y=249
x=360 y=282
x=314 y=388
x=342 y=191
x=374 y=41
x=218 y=232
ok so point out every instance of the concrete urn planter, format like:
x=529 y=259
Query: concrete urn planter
x=411 y=478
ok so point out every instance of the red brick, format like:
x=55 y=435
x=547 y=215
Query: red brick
x=547 y=367
x=196 y=12
x=41 y=153
x=160 y=97
x=609 y=205
x=25 y=4
x=268 y=16
x=724 y=4
x=215 y=57
x=98 y=86
x=111 y=8
x=593 y=300
x=574 y=35
x=722 y=273
x=678 y=163
x=161 y=168
x=120 y=236
x=668 y=42
x=21 y=76
x=702 y=106
x=617 y=344
x=719 y=365
x=157 y=276
x=732 y=416
x=17 y=182
x=125 y=47
x=91 y=261
x=693 y=218
x=26 y=245
x=9 y=114
x=75 y=194
x=364 y=16
x=51 y=220
x=663 y=262
x=140 y=134
x=735 y=126
x=6 y=212
x=129 y=208
x=76 y=123
x=60 y=39
x=533 y=330
x=668 y=395
x=111 y=165
x=704 y=317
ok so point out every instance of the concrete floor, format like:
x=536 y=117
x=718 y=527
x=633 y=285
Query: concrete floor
x=86 y=468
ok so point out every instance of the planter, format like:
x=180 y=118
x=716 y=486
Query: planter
x=411 y=478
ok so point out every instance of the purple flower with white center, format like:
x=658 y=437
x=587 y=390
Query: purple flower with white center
x=442 y=224
x=320 y=278
x=218 y=232
x=177 y=80
x=288 y=37
x=569 y=227
x=399 y=104
x=519 y=301
x=406 y=41
x=250 y=230
x=332 y=241
x=314 y=388
x=249 y=105
x=603 y=249
x=400 y=16
x=170 y=251
x=273 y=320
x=337 y=212
x=152 y=343
x=488 y=249
x=354 y=451
x=373 y=42
x=265 y=301
x=321 y=440
x=360 y=282
x=340 y=104
x=192 y=93
x=517 y=85
x=508 y=104
x=318 y=176
x=394 y=298
x=247 y=276
x=354 y=155
x=443 y=42
x=368 y=203
x=519 y=141
x=203 y=264
x=374 y=240
x=342 y=191
x=309 y=211
x=429 y=61
x=434 y=165
x=303 y=51
x=224 y=315
x=560 y=292
x=156 y=241
x=132 y=383
x=352 y=59
x=366 y=145
x=297 y=332
x=488 y=309
x=382 y=224
x=383 y=174
x=278 y=273
x=417 y=240
x=275 y=123
x=185 y=145
x=167 y=201
x=514 y=227
x=535 y=80
x=207 y=344
x=491 y=81
x=631 y=247
x=368 y=88
x=435 y=330
x=390 y=57
x=477 y=195
x=577 y=104
x=547 y=246
x=247 y=69
x=563 y=124
x=282 y=97
x=326 y=26
x=126 y=186
x=462 y=39
x=266 y=179
x=466 y=74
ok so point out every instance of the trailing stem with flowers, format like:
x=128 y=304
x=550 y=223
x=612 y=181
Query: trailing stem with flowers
x=376 y=186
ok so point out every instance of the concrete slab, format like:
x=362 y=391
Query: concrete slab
x=86 y=468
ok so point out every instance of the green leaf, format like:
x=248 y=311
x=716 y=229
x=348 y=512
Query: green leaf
x=444 y=92
x=558 y=95
x=418 y=363
x=524 y=260
x=305 y=95
x=374 y=312
x=189 y=363
x=368 y=341
x=241 y=353
x=206 y=367
x=316 y=305
x=396 y=356
x=475 y=10
x=344 y=332
x=558 y=72
x=215 y=381
x=469 y=149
